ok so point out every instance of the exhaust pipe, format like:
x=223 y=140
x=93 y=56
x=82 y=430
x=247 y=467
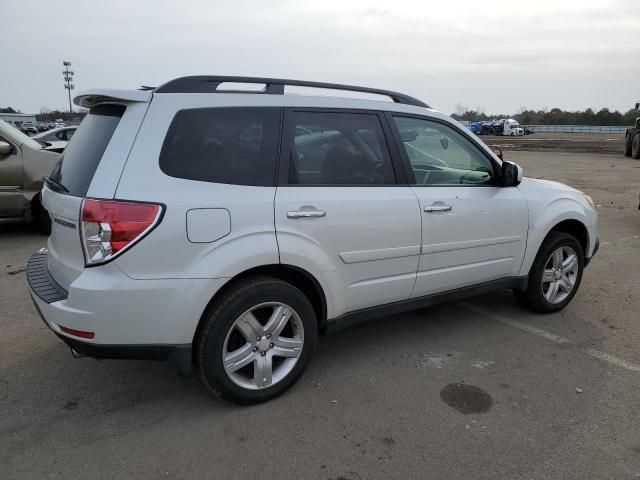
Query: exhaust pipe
x=76 y=354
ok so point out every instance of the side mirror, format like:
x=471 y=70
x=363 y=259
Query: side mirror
x=511 y=174
x=444 y=142
x=5 y=148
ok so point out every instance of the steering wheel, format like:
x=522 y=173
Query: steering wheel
x=436 y=161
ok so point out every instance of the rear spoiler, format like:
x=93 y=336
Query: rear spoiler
x=89 y=98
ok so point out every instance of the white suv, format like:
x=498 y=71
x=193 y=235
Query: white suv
x=226 y=228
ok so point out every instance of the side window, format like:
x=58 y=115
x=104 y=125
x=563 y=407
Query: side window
x=223 y=145
x=61 y=135
x=441 y=156
x=338 y=149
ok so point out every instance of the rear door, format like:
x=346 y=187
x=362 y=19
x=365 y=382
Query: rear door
x=342 y=207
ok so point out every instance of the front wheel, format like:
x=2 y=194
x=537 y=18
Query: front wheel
x=257 y=340
x=555 y=275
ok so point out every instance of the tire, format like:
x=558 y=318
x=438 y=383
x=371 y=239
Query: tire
x=635 y=146
x=230 y=326
x=539 y=295
x=628 y=139
x=41 y=217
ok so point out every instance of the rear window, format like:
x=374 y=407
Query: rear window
x=223 y=145
x=82 y=155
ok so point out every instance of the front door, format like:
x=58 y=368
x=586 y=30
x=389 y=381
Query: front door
x=341 y=211
x=473 y=231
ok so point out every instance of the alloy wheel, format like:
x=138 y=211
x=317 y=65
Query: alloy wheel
x=263 y=345
x=560 y=274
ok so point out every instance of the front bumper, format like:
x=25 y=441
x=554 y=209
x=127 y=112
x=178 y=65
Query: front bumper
x=593 y=254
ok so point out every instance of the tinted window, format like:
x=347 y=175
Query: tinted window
x=83 y=154
x=223 y=145
x=338 y=149
x=441 y=156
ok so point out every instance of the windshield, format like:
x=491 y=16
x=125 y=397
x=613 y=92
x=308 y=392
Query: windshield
x=16 y=136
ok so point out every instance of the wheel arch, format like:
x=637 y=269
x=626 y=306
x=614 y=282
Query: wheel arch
x=34 y=201
x=573 y=227
x=298 y=277
x=564 y=215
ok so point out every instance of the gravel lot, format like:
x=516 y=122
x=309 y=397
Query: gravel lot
x=562 y=142
x=474 y=389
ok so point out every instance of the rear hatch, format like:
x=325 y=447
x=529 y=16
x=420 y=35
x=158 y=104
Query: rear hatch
x=74 y=179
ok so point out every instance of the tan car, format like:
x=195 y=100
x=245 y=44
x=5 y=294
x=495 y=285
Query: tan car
x=23 y=163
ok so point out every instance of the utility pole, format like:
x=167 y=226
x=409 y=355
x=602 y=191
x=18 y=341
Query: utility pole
x=68 y=78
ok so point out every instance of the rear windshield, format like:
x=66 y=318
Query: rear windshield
x=82 y=155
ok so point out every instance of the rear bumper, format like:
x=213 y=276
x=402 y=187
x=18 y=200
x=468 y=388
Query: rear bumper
x=40 y=280
x=130 y=319
x=179 y=356
x=128 y=352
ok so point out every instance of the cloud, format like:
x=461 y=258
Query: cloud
x=572 y=54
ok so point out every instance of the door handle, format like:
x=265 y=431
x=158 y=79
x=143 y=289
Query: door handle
x=437 y=208
x=306 y=214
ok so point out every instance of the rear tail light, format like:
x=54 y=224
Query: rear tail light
x=109 y=227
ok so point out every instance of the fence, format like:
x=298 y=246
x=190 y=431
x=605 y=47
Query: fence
x=586 y=129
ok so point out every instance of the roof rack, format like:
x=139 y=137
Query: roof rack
x=273 y=86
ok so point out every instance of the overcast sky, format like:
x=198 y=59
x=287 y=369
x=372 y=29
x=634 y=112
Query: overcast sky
x=499 y=56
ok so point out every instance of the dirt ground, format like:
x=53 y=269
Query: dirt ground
x=559 y=142
x=478 y=389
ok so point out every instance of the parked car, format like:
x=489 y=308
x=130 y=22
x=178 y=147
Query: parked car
x=225 y=230
x=22 y=166
x=476 y=127
x=42 y=127
x=28 y=128
x=55 y=140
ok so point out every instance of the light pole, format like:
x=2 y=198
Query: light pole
x=68 y=78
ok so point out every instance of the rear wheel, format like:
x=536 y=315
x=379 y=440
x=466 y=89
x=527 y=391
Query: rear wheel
x=635 y=146
x=555 y=275
x=257 y=340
